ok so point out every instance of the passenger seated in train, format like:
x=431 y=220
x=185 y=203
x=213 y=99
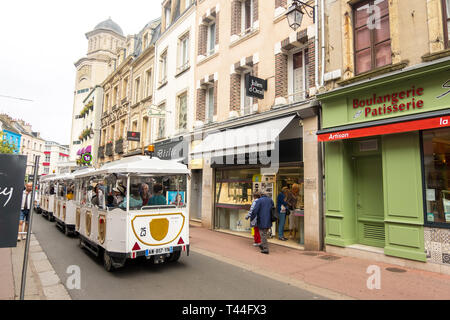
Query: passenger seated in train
x=98 y=198
x=135 y=198
x=119 y=195
x=158 y=198
x=70 y=192
x=145 y=194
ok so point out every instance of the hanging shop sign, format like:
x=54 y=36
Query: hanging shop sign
x=171 y=149
x=133 y=136
x=12 y=174
x=255 y=87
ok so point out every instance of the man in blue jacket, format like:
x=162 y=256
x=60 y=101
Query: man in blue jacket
x=263 y=211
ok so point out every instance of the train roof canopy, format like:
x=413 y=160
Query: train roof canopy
x=140 y=165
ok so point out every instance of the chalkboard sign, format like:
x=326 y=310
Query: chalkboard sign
x=12 y=175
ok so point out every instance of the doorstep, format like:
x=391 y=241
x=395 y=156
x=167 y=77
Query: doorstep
x=195 y=222
x=377 y=255
x=289 y=243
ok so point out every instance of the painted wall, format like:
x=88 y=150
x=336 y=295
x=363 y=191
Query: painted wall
x=177 y=83
x=416 y=30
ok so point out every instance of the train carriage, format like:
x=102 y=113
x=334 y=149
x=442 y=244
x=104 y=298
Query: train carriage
x=48 y=196
x=65 y=214
x=134 y=207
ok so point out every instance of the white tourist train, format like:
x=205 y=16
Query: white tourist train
x=47 y=196
x=130 y=208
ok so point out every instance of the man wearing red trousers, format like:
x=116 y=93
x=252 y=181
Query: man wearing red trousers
x=253 y=223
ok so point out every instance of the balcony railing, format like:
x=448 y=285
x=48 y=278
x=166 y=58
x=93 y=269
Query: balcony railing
x=119 y=146
x=109 y=149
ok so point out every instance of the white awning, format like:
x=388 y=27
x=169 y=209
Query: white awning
x=249 y=139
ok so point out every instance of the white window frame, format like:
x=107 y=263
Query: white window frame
x=179 y=128
x=243 y=13
x=163 y=67
x=210 y=51
x=291 y=92
x=243 y=96
x=162 y=107
x=183 y=52
x=137 y=89
x=167 y=14
x=209 y=117
x=149 y=82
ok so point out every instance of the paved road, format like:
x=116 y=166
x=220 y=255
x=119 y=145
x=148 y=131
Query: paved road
x=196 y=277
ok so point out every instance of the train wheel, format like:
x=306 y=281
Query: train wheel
x=107 y=262
x=174 y=256
x=66 y=231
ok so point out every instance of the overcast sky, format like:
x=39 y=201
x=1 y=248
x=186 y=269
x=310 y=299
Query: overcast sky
x=40 y=42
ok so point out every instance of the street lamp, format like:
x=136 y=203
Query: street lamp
x=296 y=11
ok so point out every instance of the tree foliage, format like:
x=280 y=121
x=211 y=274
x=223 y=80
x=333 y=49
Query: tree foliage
x=5 y=146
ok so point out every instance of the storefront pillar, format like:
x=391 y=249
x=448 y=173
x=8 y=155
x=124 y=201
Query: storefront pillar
x=312 y=185
x=403 y=199
x=207 y=195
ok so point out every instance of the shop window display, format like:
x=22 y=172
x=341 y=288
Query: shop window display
x=436 y=149
x=294 y=225
x=233 y=198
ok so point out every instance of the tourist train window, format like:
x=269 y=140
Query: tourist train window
x=436 y=163
x=446 y=16
x=371 y=35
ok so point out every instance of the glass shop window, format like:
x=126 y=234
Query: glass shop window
x=436 y=149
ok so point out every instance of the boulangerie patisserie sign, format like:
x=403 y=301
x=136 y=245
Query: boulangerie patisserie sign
x=12 y=174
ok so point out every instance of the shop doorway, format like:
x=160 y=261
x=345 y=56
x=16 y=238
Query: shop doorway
x=196 y=195
x=369 y=202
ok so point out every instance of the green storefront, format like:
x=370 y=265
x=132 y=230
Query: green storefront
x=387 y=156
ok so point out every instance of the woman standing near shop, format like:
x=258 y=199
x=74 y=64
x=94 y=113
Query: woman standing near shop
x=292 y=200
x=282 y=207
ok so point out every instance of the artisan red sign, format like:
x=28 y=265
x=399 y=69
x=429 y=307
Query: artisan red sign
x=430 y=123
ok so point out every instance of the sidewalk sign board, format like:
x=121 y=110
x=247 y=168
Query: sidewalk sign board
x=12 y=176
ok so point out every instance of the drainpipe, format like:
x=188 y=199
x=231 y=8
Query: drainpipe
x=316 y=46
x=131 y=99
x=322 y=19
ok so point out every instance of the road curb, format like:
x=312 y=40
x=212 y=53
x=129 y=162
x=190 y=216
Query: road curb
x=276 y=276
x=49 y=283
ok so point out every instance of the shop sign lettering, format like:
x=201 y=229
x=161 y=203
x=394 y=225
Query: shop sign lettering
x=446 y=85
x=5 y=192
x=335 y=136
x=389 y=104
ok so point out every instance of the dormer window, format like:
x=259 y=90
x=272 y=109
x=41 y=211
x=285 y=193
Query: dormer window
x=167 y=12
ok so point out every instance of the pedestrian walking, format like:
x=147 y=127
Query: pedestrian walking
x=263 y=213
x=253 y=223
x=25 y=210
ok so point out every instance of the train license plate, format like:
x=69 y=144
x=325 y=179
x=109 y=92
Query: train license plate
x=160 y=250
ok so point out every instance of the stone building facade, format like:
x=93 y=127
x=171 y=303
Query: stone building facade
x=382 y=57
x=236 y=39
